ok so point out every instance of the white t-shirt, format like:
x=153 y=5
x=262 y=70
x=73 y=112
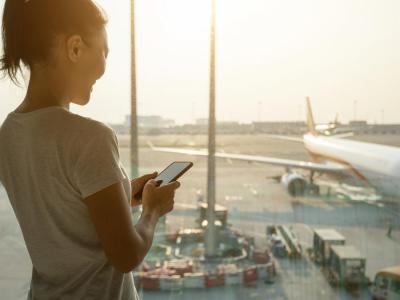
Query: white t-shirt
x=50 y=160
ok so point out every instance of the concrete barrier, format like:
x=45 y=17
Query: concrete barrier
x=234 y=277
x=193 y=280
x=171 y=283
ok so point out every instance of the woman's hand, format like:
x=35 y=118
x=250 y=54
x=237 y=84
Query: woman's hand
x=137 y=186
x=158 y=200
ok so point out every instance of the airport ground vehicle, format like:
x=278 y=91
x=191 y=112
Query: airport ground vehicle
x=346 y=266
x=322 y=241
x=386 y=285
x=284 y=242
x=343 y=265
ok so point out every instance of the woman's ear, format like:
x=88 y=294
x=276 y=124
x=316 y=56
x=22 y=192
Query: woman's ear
x=74 y=47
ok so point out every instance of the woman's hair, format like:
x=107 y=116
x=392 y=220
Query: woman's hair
x=30 y=27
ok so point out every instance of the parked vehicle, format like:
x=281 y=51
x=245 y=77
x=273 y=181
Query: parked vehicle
x=386 y=285
x=346 y=266
x=322 y=241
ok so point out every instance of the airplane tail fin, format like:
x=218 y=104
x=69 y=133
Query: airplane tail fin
x=310 y=118
x=336 y=121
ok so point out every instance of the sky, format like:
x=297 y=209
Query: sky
x=270 y=55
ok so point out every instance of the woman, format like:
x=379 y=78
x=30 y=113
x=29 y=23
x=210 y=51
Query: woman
x=62 y=171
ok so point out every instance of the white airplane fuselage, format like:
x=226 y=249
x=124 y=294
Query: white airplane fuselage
x=377 y=165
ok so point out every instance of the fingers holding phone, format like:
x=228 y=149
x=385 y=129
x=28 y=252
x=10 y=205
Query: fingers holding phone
x=159 y=199
x=137 y=186
x=159 y=193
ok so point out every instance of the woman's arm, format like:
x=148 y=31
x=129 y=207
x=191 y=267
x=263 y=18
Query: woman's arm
x=126 y=245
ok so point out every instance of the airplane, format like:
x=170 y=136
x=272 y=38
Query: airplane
x=330 y=128
x=374 y=165
x=333 y=128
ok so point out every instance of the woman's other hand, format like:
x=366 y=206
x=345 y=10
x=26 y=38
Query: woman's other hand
x=137 y=186
x=158 y=200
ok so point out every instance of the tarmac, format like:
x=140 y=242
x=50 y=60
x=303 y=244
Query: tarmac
x=254 y=200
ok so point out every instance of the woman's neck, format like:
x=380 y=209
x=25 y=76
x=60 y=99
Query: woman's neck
x=43 y=90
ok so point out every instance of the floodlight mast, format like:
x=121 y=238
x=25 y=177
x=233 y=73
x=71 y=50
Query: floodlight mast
x=134 y=153
x=211 y=239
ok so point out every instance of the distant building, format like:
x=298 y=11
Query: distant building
x=120 y=128
x=379 y=129
x=295 y=127
x=155 y=125
x=358 y=123
x=229 y=127
x=151 y=122
x=202 y=121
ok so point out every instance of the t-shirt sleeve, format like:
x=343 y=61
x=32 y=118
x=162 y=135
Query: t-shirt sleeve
x=98 y=162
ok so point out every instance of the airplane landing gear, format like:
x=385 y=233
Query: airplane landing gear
x=313 y=189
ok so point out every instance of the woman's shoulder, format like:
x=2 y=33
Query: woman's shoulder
x=88 y=126
x=85 y=133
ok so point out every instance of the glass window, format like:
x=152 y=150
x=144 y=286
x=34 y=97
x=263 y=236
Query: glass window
x=307 y=99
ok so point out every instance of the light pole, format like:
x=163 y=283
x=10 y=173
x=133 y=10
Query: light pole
x=134 y=155
x=211 y=242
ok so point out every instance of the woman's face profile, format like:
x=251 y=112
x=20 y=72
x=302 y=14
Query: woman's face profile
x=87 y=63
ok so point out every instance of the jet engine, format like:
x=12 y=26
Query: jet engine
x=294 y=183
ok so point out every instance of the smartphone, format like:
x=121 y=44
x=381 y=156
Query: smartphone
x=169 y=174
x=173 y=172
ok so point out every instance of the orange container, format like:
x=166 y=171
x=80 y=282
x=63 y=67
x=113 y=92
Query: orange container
x=250 y=275
x=211 y=280
x=261 y=257
x=150 y=282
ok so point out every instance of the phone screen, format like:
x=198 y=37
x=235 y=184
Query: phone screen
x=173 y=171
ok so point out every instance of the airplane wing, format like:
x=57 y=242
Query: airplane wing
x=300 y=140
x=285 y=138
x=288 y=163
x=344 y=135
